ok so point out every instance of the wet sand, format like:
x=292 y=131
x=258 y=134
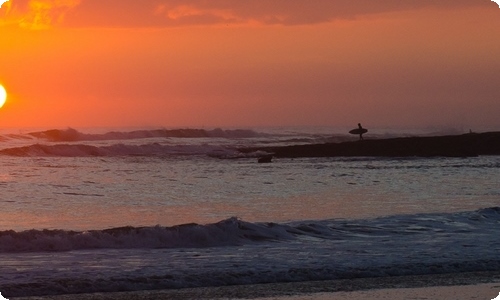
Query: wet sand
x=462 y=292
x=474 y=285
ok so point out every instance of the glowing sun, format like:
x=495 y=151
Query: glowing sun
x=2 y=2
x=3 y=95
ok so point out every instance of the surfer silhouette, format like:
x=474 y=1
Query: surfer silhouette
x=360 y=130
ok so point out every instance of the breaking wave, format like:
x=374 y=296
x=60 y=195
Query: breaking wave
x=228 y=232
x=233 y=231
x=73 y=135
x=151 y=149
x=72 y=143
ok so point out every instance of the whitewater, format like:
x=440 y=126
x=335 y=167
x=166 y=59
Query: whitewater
x=125 y=210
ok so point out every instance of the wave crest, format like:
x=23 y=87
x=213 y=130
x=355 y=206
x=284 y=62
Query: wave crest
x=73 y=135
x=233 y=231
x=151 y=149
x=228 y=232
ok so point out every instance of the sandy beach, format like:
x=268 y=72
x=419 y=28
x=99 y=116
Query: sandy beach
x=474 y=285
x=479 y=291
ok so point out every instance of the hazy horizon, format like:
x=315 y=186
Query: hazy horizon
x=172 y=63
x=373 y=132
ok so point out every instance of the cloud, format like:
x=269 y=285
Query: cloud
x=36 y=14
x=40 y=14
x=166 y=13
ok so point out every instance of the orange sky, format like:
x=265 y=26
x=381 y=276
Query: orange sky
x=385 y=63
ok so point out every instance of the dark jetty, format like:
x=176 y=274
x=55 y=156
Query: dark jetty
x=465 y=145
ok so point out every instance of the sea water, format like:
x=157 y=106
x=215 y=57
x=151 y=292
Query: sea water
x=84 y=211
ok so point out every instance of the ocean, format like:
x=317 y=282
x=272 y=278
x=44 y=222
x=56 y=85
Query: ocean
x=129 y=210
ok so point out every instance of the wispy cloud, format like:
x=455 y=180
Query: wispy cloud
x=133 y=13
x=37 y=14
x=168 y=13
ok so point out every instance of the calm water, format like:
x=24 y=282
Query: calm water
x=85 y=211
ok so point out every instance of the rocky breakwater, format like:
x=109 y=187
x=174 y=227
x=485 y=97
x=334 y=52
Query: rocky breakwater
x=465 y=145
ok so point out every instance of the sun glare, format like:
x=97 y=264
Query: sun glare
x=3 y=95
x=2 y=2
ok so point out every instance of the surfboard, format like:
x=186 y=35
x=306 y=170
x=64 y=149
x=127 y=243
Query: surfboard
x=358 y=131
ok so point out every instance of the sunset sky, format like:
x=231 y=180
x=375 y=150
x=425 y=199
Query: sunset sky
x=230 y=63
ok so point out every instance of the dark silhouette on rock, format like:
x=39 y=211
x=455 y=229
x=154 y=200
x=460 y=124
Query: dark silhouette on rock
x=265 y=159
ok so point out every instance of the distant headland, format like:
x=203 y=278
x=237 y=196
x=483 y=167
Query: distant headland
x=465 y=145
